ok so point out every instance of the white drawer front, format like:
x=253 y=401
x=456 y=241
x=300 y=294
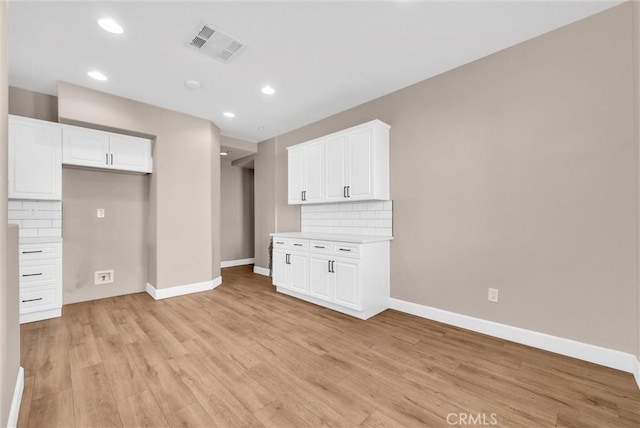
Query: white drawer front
x=280 y=243
x=321 y=247
x=39 y=299
x=40 y=251
x=347 y=250
x=40 y=272
x=298 y=244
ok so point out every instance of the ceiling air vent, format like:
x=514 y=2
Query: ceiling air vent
x=215 y=43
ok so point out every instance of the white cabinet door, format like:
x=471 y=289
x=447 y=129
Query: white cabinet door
x=296 y=167
x=320 y=279
x=298 y=279
x=34 y=167
x=85 y=147
x=336 y=168
x=313 y=173
x=360 y=166
x=346 y=283
x=130 y=153
x=280 y=269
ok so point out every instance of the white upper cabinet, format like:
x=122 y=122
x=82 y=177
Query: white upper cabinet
x=348 y=165
x=85 y=147
x=34 y=167
x=306 y=168
x=130 y=153
x=98 y=149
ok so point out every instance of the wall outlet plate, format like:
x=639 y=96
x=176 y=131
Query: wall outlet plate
x=100 y=212
x=493 y=295
x=103 y=277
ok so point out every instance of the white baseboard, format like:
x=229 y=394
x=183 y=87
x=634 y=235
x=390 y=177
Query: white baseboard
x=239 y=262
x=636 y=373
x=261 y=271
x=179 y=290
x=14 y=411
x=571 y=348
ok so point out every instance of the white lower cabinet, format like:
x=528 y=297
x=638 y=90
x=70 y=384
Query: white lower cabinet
x=40 y=281
x=352 y=278
x=290 y=270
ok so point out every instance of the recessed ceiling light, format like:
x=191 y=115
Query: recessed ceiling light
x=110 y=25
x=95 y=74
x=229 y=114
x=268 y=90
x=261 y=128
x=192 y=84
x=225 y=153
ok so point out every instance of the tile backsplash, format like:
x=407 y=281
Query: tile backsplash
x=357 y=218
x=36 y=218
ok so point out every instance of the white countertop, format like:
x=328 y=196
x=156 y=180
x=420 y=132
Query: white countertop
x=41 y=240
x=338 y=237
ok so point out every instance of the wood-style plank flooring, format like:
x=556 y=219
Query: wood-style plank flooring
x=243 y=355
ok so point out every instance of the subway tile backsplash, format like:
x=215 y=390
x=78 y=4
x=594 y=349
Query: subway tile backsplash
x=357 y=218
x=36 y=218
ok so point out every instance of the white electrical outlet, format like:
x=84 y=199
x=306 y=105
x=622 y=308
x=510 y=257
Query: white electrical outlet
x=493 y=295
x=103 y=277
x=100 y=213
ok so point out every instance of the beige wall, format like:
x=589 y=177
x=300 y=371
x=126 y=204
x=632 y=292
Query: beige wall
x=33 y=104
x=636 y=39
x=265 y=207
x=184 y=195
x=517 y=171
x=237 y=216
x=9 y=321
x=118 y=241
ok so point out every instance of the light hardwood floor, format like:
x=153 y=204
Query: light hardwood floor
x=243 y=355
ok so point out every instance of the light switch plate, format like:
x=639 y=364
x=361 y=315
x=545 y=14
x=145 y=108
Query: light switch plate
x=100 y=213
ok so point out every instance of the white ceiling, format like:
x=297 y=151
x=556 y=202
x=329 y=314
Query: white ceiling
x=321 y=57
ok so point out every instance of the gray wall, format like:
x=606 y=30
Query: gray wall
x=265 y=206
x=184 y=196
x=518 y=171
x=9 y=321
x=636 y=38
x=90 y=243
x=237 y=216
x=33 y=104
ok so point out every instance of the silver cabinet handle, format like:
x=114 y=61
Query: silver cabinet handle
x=31 y=274
x=32 y=252
x=345 y=249
x=279 y=242
x=318 y=246
x=32 y=300
x=344 y=192
x=298 y=245
x=106 y=158
x=111 y=158
x=348 y=191
x=329 y=266
x=333 y=266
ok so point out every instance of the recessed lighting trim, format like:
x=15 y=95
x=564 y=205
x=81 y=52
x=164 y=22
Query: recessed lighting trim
x=192 y=84
x=229 y=114
x=268 y=90
x=225 y=153
x=95 y=74
x=108 y=24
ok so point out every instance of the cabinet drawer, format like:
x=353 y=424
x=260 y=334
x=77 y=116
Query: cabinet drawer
x=39 y=272
x=321 y=247
x=39 y=299
x=280 y=243
x=297 y=244
x=40 y=251
x=346 y=250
